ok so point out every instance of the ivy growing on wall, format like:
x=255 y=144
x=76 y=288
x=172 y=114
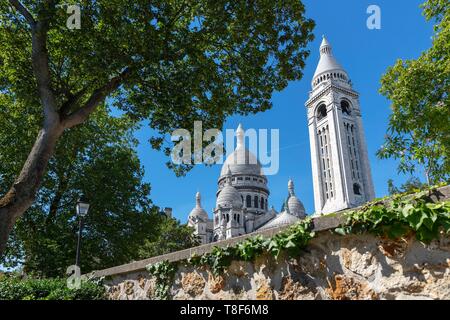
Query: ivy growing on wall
x=402 y=215
x=291 y=240
x=163 y=271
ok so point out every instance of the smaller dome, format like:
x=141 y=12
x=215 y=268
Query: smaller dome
x=229 y=196
x=294 y=205
x=198 y=212
x=282 y=219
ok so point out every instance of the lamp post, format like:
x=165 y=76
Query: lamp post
x=82 y=211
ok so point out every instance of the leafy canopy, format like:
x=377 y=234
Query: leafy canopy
x=99 y=160
x=419 y=126
x=169 y=236
x=168 y=62
x=413 y=184
x=180 y=61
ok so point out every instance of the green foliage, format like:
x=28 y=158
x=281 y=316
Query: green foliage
x=419 y=126
x=251 y=248
x=435 y=9
x=403 y=216
x=207 y=59
x=219 y=259
x=163 y=272
x=14 y=288
x=169 y=63
x=292 y=240
x=169 y=236
x=99 y=160
x=411 y=185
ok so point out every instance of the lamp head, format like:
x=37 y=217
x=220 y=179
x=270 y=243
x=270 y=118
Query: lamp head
x=82 y=206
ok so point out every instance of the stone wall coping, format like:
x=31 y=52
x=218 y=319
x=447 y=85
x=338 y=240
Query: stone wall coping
x=320 y=223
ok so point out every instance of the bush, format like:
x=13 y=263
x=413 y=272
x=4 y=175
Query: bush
x=14 y=288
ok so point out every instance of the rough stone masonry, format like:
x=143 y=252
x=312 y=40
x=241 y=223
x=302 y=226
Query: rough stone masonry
x=331 y=267
x=352 y=267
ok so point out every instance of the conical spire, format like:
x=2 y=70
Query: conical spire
x=291 y=187
x=325 y=47
x=327 y=62
x=198 y=199
x=240 y=136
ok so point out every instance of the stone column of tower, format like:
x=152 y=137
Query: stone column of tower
x=340 y=164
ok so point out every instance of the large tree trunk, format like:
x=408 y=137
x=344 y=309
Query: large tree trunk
x=23 y=192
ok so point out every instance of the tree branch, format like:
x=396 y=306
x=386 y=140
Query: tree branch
x=40 y=62
x=24 y=12
x=97 y=97
x=71 y=102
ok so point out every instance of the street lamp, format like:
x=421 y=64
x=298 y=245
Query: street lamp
x=82 y=211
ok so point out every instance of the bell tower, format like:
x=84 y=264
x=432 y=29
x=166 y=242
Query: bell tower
x=340 y=164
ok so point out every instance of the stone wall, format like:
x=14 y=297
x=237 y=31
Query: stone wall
x=331 y=267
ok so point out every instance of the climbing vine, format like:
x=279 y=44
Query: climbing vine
x=292 y=240
x=163 y=271
x=404 y=215
x=393 y=217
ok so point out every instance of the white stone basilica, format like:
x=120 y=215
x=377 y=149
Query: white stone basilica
x=340 y=165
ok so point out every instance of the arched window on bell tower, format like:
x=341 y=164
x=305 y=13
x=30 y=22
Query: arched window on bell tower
x=357 y=189
x=321 y=112
x=345 y=107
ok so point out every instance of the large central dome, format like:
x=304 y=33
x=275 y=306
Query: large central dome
x=241 y=160
x=242 y=180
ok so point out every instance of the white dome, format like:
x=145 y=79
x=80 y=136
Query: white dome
x=327 y=61
x=295 y=206
x=229 y=196
x=282 y=219
x=241 y=161
x=198 y=212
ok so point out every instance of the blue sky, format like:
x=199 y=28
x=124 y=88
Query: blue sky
x=364 y=53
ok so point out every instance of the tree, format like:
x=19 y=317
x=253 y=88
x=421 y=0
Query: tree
x=97 y=159
x=419 y=126
x=170 y=236
x=168 y=61
x=413 y=184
